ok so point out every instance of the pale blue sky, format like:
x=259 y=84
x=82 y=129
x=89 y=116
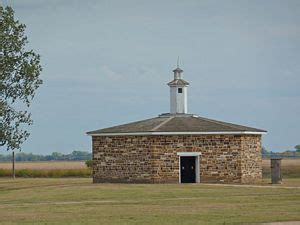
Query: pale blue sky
x=108 y=62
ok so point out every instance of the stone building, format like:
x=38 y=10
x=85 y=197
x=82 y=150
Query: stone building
x=177 y=147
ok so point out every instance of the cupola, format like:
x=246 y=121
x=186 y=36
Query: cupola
x=178 y=93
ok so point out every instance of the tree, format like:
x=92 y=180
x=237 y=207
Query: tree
x=297 y=147
x=19 y=78
x=89 y=163
x=56 y=156
x=264 y=151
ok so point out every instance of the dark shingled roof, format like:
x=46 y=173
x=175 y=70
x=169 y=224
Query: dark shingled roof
x=178 y=70
x=178 y=82
x=176 y=123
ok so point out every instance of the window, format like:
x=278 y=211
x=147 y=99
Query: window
x=179 y=90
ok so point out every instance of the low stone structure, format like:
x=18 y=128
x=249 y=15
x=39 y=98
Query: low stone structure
x=154 y=159
x=177 y=148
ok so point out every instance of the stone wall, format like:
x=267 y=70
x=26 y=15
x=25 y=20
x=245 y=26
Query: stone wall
x=122 y=159
x=219 y=161
x=154 y=159
x=251 y=163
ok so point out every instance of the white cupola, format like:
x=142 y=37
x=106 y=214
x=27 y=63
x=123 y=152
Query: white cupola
x=178 y=93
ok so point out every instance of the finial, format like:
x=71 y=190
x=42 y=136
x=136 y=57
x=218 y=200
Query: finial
x=178 y=62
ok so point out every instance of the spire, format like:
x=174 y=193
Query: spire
x=177 y=71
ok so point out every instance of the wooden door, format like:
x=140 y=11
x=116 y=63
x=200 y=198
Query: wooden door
x=188 y=169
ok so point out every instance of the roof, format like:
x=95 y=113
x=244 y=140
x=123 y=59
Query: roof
x=178 y=82
x=178 y=70
x=176 y=124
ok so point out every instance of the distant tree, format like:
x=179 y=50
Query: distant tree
x=89 y=163
x=56 y=156
x=5 y=158
x=19 y=78
x=79 y=155
x=264 y=151
x=297 y=147
x=74 y=156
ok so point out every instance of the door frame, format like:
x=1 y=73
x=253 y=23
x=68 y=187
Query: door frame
x=197 y=163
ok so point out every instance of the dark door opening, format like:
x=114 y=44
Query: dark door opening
x=187 y=169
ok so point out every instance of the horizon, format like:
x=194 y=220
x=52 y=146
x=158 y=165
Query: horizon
x=111 y=64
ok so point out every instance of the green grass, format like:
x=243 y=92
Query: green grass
x=53 y=173
x=78 y=201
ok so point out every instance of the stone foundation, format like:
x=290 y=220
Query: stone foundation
x=154 y=159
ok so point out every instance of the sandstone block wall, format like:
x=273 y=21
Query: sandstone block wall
x=154 y=159
x=251 y=159
x=122 y=159
x=219 y=161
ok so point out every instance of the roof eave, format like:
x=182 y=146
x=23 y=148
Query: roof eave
x=178 y=82
x=175 y=133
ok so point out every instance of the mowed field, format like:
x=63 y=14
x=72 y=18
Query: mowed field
x=78 y=201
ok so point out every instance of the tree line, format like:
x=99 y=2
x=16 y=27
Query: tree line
x=288 y=153
x=73 y=156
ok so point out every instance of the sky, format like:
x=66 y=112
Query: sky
x=108 y=62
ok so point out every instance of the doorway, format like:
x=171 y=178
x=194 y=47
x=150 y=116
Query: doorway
x=187 y=169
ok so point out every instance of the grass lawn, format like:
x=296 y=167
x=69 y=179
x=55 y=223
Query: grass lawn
x=78 y=201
